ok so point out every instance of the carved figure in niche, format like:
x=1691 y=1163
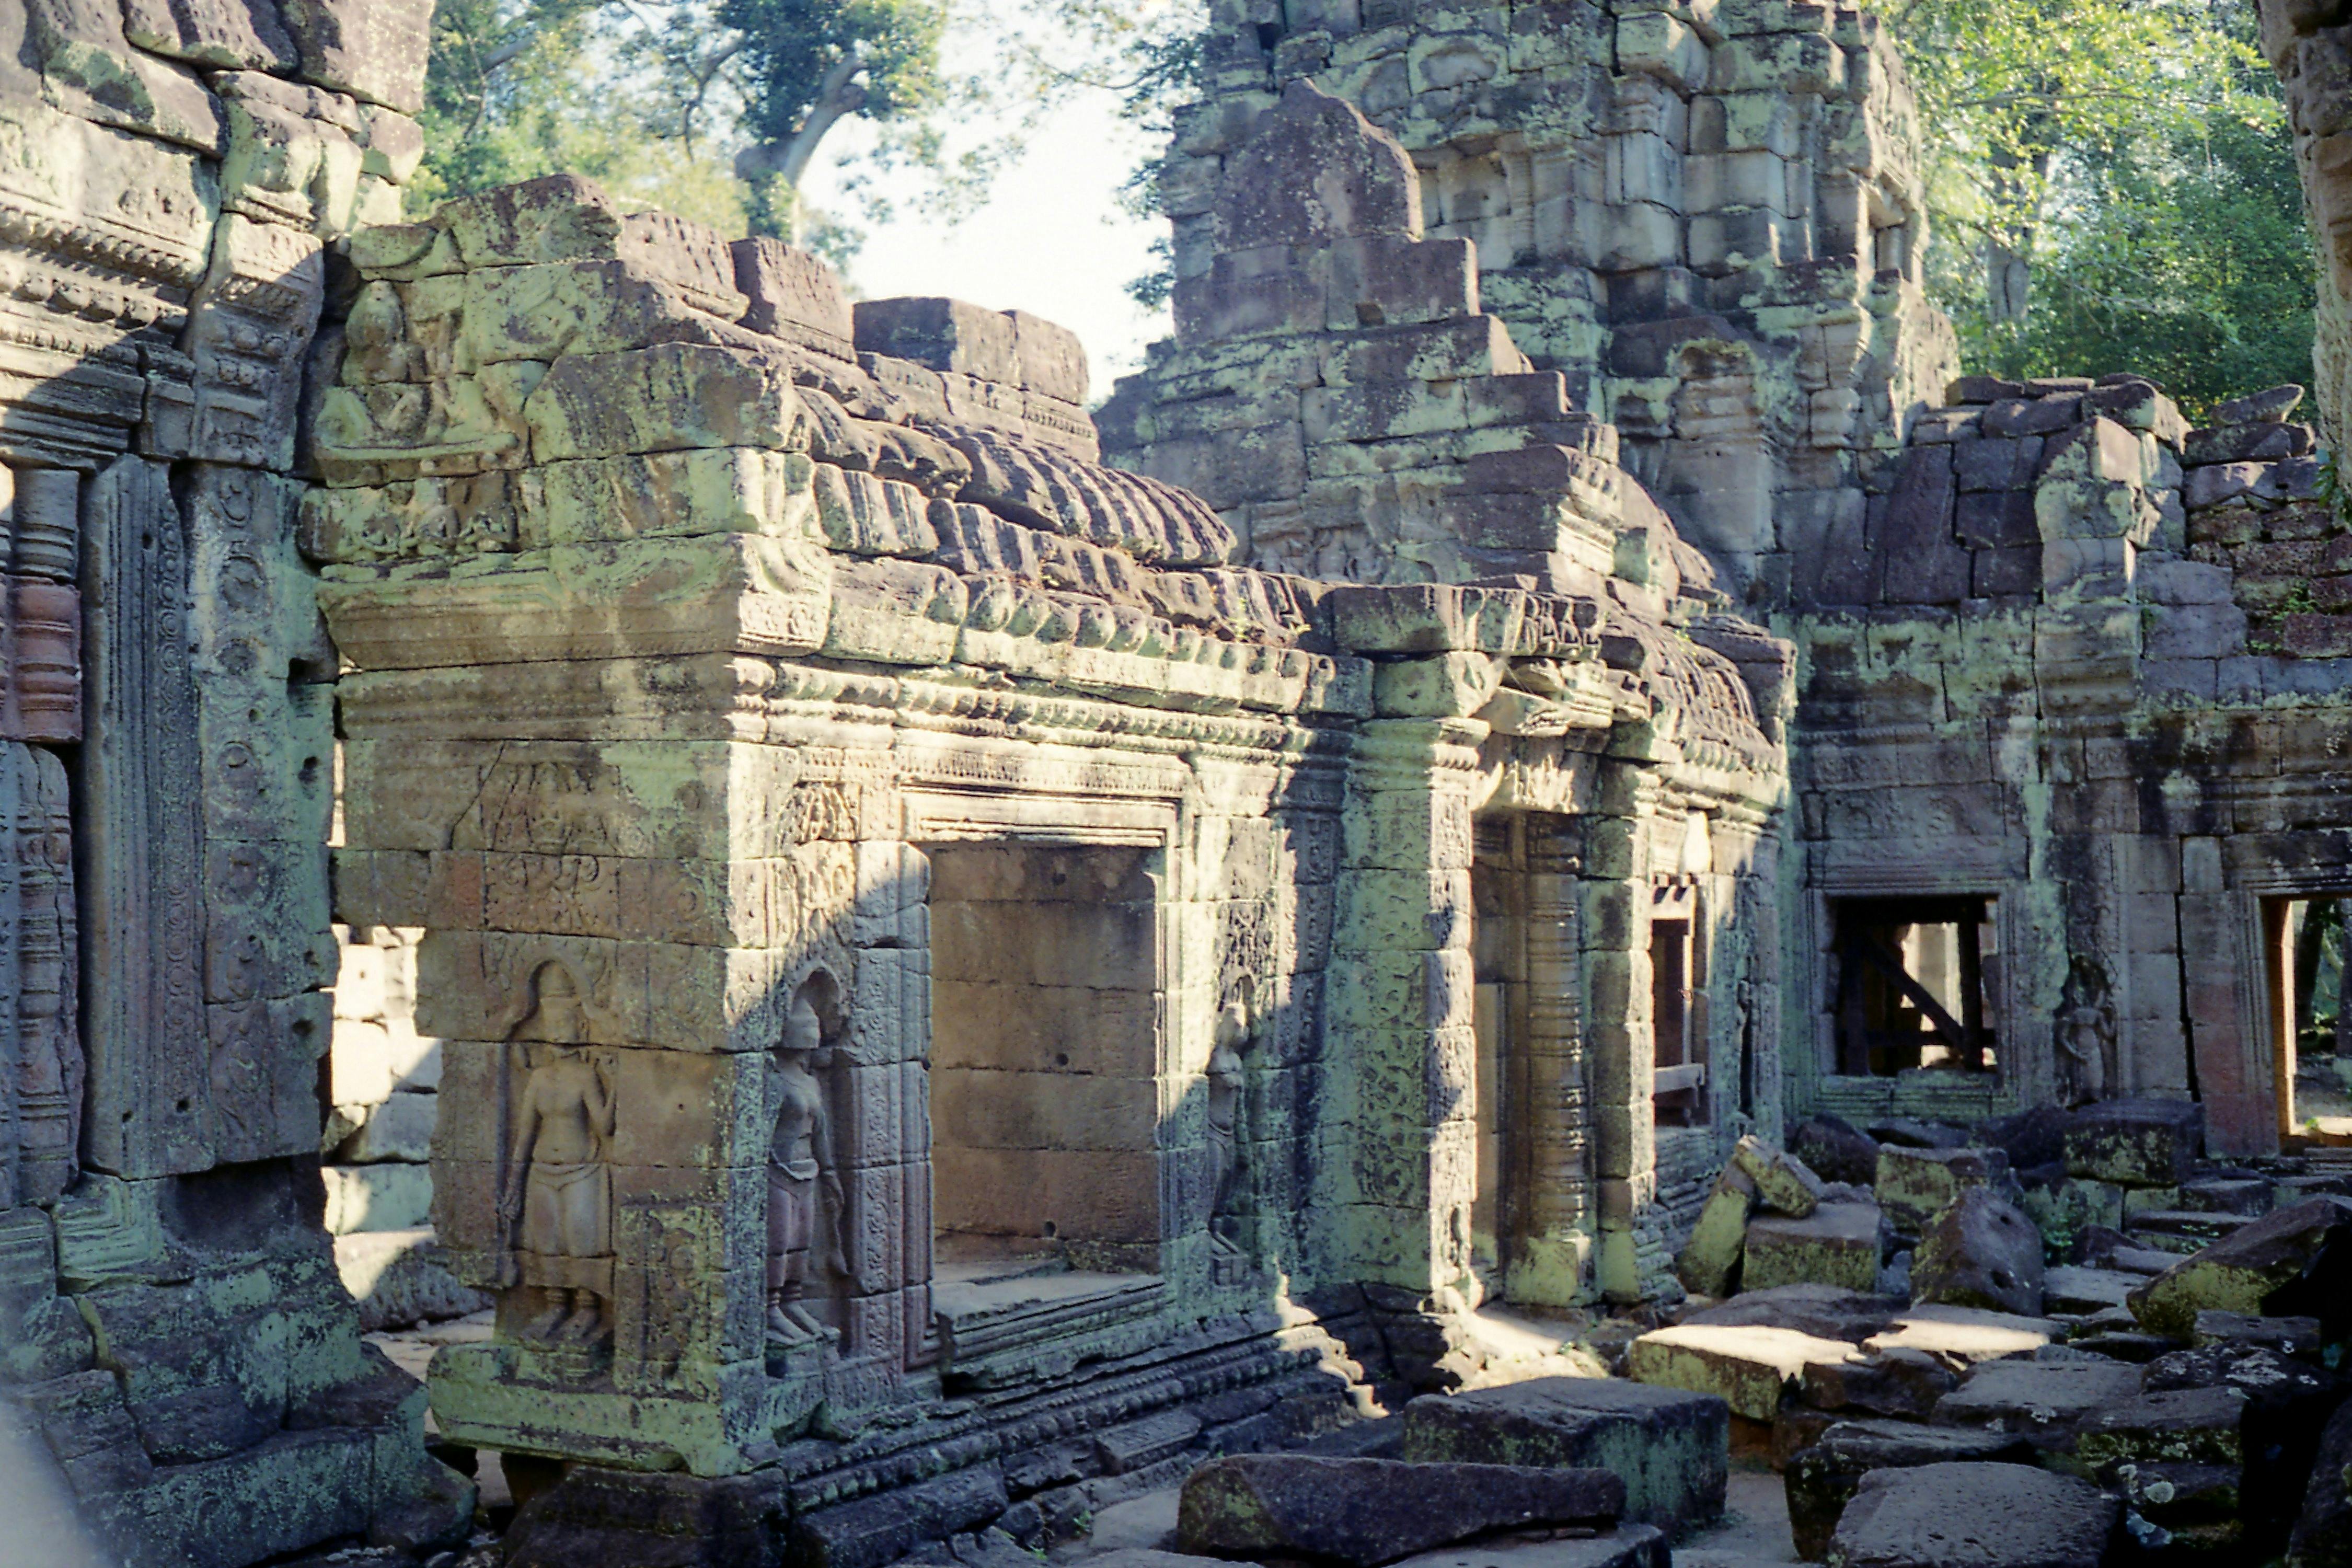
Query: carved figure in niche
x=1227 y=1082
x=2085 y=1036
x=804 y=1183
x=558 y=1203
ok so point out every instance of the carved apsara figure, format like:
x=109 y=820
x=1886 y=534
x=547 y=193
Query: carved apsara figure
x=557 y=1202
x=803 y=1183
x=1226 y=1085
x=2085 y=1036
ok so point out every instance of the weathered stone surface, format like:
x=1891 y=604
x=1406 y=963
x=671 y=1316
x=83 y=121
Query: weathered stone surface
x=2041 y=1402
x=1902 y=1381
x=1962 y=1336
x=2288 y=1336
x=2187 y=1425
x=1822 y=1481
x=1824 y=1311
x=2137 y=1142
x=795 y=296
x=1784 y=1184
x=2239 y=1274
x=2086 y=1291
x=1364 y=1512
x=1628 y=1546
x=2322 y=1533
x=1837 y=1245
x=1708 y=1264
x=1837 y=1150
x=1981 y=1251
x=1915 y=1184
x=1670 y=1448
x=1984 y=1515
x=1747 y=1368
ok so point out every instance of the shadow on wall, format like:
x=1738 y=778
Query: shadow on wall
x=44 y=1531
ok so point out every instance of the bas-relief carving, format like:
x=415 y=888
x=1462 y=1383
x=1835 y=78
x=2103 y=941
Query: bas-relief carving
x=1230 y=1133
x=555 y=1209
x=805 y=1197
x=2087 y=1034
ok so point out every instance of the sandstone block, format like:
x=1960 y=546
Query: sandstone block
x=1823 y=1479
x=1837 y=1150
x=1363 y=1513
x=1670 y=1448
x=1985 y=1515
x=1962 y=1336
x=399 y=1128
x=1709 y=1260
x=2086 y=1291
x=1747 y=1368
x=2322 y=1535
x=667 y=398
x=946 y=335
x=1838 y=1245
x=2137 y=1142
x=1824 y=1311
x=377 y=1198
x=2041 y=1402
x=1315 y=170
x=399 y=1279
x=1915 y=1185
x=1783 y=1184
x=2237 y=1275
x=1982 y=1251
x=2186 y=1426
x=1891 y=1382
x=795 y=297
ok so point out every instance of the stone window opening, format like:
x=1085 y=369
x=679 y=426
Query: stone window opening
x=1678 y=1010
x=1913 y=979
x=1043 y=1071
x=2310 y=1021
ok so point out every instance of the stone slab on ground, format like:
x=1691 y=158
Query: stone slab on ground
x=1144 y=1557
x=1906 y=1382
x=2183 y=1230
x=1670 y=1446
x=2288 y=1336
x=2043 y=1402
x=2237 y=1274
x=2186 y=1426
x=1962 y=1336
x=1983 y=1251
x=1747 y=1368
x=1825 y=1312
x=1823 y=1479
x=1974 y=1515
x=1628 y=1546
x=2070 y=1289
x=1837 y=1245
x=1837 y=1150
x=2137 y=1142
x=1364 y=1512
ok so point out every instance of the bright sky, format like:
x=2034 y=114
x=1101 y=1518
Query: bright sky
x=1051 y=239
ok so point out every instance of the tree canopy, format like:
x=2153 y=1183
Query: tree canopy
x=2112 y=186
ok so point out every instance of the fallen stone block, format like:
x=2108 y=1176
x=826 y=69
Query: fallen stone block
x=1708 y=1263
x=1627 y=1546
x=401 y=1278
x=2249 y=1195
x=1837 y=1150
x=2030 y=1138
x=2322 y=1535
x=2288 y=1406
x=1824 y=1479
x=2106 y=1248
x=1747 y=1368
x=1671 y=1447
x=1363 y=1513
x=1896 y=1382
x=1982 y=1251
x=2183 y=1231
x=2066 y=1208
x=2288 y=1336
x=1837 y=1245
x=2186 y=1426
x=1962 y=1336
x=2137 y=1142
x=1910 y=1132
x=2041 y=1402
x=1825 y=1312
x=1784 y=1184
x=1980 y=1515
x=2173 y=1496
x=2121 y=1345
x=2069 y=1288
x=1915 y=1185
x=2238 y=1274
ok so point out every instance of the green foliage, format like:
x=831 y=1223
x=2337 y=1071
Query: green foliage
x=2111 y=184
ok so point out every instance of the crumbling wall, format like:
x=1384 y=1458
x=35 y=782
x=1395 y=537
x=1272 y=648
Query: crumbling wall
x=169 y=1306
x=1707 y=219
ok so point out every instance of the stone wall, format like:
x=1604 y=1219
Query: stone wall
x=2309 y=42
x=1705 y=218
x=172 y=1324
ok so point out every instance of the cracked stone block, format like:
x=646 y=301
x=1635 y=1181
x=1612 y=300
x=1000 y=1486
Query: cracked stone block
x=1837 y=1245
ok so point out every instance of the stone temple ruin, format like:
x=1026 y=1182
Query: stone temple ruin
x=933 y=960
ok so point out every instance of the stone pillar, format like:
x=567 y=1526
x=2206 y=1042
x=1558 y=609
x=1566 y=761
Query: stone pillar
x=1616 y=903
